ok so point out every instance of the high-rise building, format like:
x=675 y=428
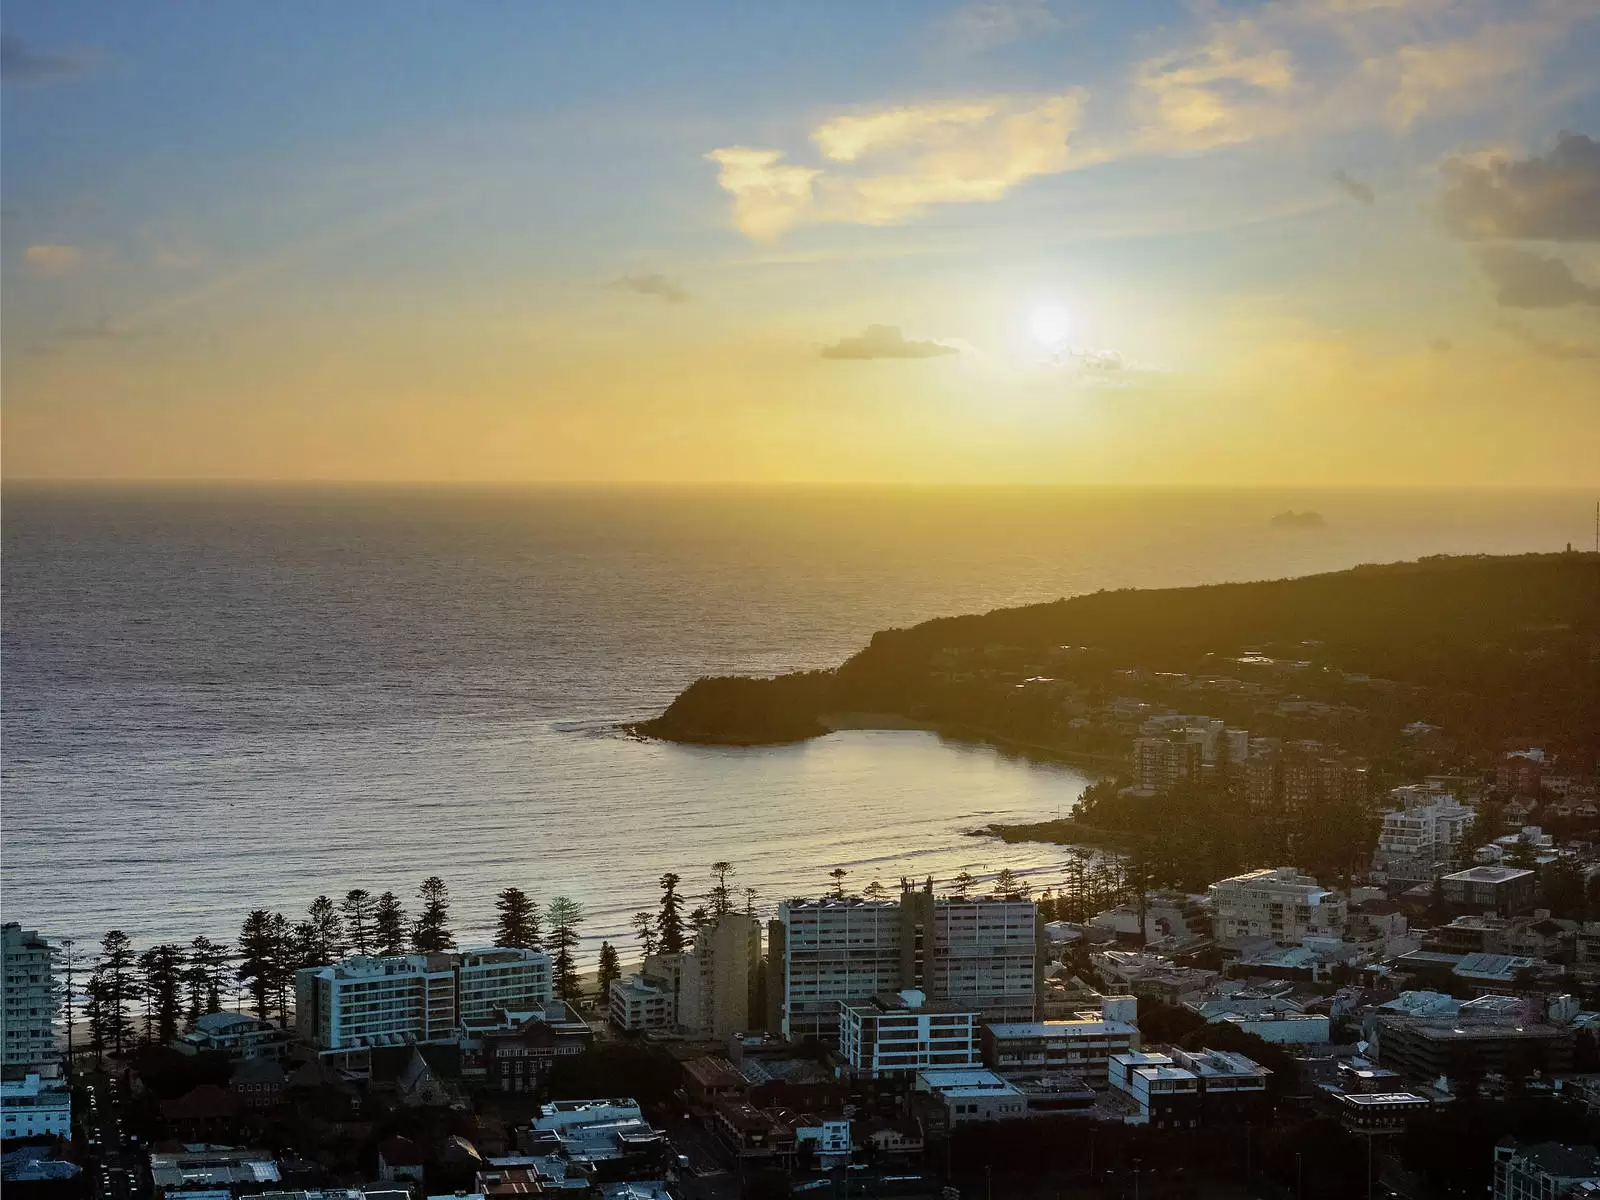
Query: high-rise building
x=1167 y=761
x=363 y=1002
x=1423 y=832
x=30 y=997
x=980 y=952
x=706 y=990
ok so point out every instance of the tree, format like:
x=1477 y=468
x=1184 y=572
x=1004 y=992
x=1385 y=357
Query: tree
x=356 y=908
x=699 y=919
x=565 y=916
x=431 y=933
x=874 y=891
x=258 y=960
x=750 y=895
x=326 y=941
x=1008 y=886
x=644 y=927
x=610 y=971
x=518 y=922
x=114 y=986
x=285 y=948
x=203 y=978
x=837 y=875
x=719 y=895
x=389 y=926
x=963 y=884
x=669 y=922
x=161 y=969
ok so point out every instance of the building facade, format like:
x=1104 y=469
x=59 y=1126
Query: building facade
x=35 y=1107
x=982 y=953
x=1083 y=1045
x=1504 y=891
x=30 y=997
x=1277 y=903
x=895 y=1035
x=1546 y=1171
x=364 y=1002
x=1165 y=762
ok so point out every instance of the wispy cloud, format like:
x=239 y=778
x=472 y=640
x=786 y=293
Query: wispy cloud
x=886 y=341
x=1356 y=189
x=1552 y=197
x=889 y=165
x=1560 y=349
x=22 y=64
x=105 y=329
x=52 y=260
x=986 y=25
x=653 y=285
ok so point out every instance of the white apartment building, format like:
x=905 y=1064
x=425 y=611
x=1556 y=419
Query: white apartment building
x=35 y=1107
x=1277 y=903
x=900 y=1033
x=832 y=950
x=642 y=1002
x=1426 y=828
x=1082 y=1045
x=494 y=977
x=30 y=998
x=979 y=952
x=364 y=1002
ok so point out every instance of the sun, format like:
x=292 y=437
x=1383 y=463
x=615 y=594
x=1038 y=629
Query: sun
x=1049 y=324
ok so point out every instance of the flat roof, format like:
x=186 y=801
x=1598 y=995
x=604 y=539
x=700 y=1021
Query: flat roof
x=1489 y=874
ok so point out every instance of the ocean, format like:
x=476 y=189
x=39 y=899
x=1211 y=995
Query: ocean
x=220 y=699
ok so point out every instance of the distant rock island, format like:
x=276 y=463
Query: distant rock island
x=1290 y=519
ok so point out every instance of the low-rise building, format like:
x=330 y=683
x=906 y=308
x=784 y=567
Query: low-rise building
x=1163 y=1094
x=1082 y=1045
x=1425 y=1049
x=210 y=1171
x=1545 y=1171
x=1186 y=1088
x=35 y=1107
x=1378 y=1112
x=894 y=1035
x=750 y=1132
x=234 y=1035
x=1503 y=891
x=642 y=1002
x=973 y=1095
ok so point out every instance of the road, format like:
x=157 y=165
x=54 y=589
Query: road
x=115 y=1165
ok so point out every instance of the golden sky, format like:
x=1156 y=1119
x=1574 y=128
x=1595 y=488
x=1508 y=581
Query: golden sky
x=1313 y=241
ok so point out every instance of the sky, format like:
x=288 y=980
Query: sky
x=1334 y=242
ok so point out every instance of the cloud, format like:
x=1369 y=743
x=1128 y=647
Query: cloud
x=986 y=25
x=1554 y=197
x=1354 y=188
x=1547 y=347
x=53 y=260
x=890 y=165
x=652 y=285
x=21 y=64
x=1230 y=88
x=1523 y=279
x=104 y=329
x=885 y=341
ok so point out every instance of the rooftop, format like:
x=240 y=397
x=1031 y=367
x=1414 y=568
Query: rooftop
x=1488 y=874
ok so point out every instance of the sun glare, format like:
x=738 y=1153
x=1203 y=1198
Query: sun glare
x=1049 y=324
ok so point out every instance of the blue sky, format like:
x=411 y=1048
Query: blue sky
x=407 y=240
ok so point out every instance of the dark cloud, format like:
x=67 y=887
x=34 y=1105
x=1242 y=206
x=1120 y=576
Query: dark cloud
x=1549 y=347
x=1523 y=279
x=885 y=341
x=652 y=285
x=1354 y=188
x=1552 y=198
x=21 y=63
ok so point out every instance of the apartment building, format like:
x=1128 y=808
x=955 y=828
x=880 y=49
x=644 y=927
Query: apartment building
x=30 y=997
x=970 y=1095
x=1082 y=1045
x=35 y=1107
x=1277 y=903
x=1166 y=761
x=642 y=1002
x=1315 y=779
x=894 y=1035
x=364 y=1001
x=1188 y=1088
x=1545 y=1171
x=1503 y=891
x=1425 y=830
x=979 y=952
